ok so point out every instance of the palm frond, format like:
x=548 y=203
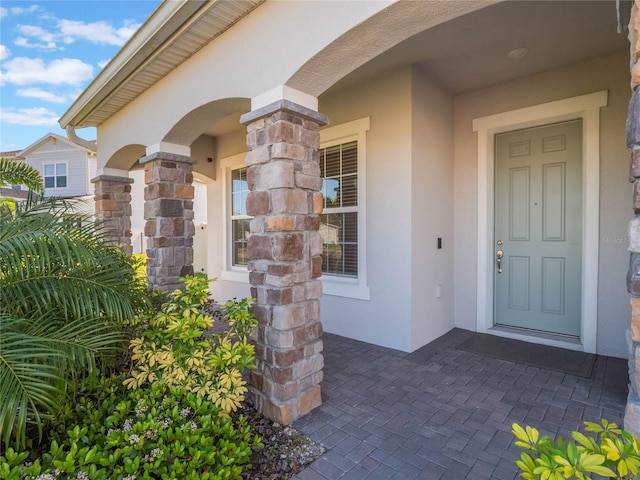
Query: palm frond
x=35 y=358
x=19 y=173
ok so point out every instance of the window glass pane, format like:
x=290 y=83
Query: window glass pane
x=237 y=206
x=61 y=182
x=61 y=168
x=349 y=191
x=339 y=232
x=240 y=236
x=49 y=169
x=330 y=187
x=332 y=161
x=349 y=158
x=239 y=191
x=49 y=182
x=350 y=227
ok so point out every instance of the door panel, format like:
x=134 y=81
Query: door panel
x=538 y=227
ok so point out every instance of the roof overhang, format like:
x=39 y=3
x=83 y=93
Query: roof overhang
x=175 y=31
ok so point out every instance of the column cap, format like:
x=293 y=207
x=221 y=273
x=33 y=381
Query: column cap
x=287 y=106
x=173 y=157
x=111 y=178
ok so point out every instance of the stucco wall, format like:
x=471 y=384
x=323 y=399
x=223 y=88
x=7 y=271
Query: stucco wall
x=610 y=73
x=431 y=210
x=385 y=319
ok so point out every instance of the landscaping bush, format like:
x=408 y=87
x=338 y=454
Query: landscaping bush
x=170 y=417
x=178 y=348
x=612 y=454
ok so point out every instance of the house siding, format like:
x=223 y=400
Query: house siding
x=77 y=167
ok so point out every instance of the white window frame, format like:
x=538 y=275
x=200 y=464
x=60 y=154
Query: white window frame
x=233 y=273
x=339 y=285
x=55 y=176
x=334 y=285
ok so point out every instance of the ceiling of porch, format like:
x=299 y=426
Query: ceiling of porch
x=471 y=52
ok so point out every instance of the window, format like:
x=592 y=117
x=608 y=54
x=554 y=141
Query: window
x=55 y=175
x=339 y=221
x=239 y=219
x=343 y=227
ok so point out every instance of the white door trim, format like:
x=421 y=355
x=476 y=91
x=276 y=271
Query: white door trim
x=585 y=107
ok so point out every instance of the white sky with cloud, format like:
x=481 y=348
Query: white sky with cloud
x=49 y=52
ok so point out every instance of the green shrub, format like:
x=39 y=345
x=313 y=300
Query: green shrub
x=155 y=432
x=178 y=349
x=613 y=454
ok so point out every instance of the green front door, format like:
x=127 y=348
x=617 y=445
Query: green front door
x=538 y=229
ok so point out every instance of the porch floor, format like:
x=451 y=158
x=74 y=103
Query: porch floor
x=440 y=412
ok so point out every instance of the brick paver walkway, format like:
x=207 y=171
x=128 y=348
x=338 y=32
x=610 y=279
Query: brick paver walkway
x=444 y=413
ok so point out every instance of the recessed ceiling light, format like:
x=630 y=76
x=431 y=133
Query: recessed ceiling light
x=518 y=52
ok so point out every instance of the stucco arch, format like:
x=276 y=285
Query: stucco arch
x=374 y=36
x=126 y=158
x=197 y=121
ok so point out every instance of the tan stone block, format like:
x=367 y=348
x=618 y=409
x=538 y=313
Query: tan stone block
x=288 y=151
x=281 y=131
x=279 y=224
x=282 y=392
x=279 y=296
x=308 y=366
x=314 y=240
x=287 y=200
x=275 y=174
x=286 y=358
x=318 y=203
x=286 y=317
x=257 y=203
x=259 y=155
x=150 y=228
x=259 y=247
x=287 y=246
x=280 y=281
x=309 y=400
x=316 y=266
x=635 y=319
x=308 y=182
x=184 y=191
x=282 y=414
x=256 y=225
x=107 y=205
x=307 y=334
x=309 y=138
x=278 y=338
x=313 y=309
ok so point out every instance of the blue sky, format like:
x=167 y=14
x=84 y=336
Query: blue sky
x=49 y=52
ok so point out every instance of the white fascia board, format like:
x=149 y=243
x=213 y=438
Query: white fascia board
x=161 y=25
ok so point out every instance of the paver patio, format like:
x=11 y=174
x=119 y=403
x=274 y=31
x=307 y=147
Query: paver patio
x=444 y=413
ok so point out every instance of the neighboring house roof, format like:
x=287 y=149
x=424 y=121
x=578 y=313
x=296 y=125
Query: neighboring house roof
x=173 y=33
x=10 y=154
x=41 y=141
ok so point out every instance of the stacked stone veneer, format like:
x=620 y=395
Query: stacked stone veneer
x=285 y=251
x=632 y=414
x=113 y=208
x=168 y=211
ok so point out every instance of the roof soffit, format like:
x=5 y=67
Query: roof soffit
x=173 y=33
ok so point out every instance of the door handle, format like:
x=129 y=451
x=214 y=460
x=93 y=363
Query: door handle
x=499 y=255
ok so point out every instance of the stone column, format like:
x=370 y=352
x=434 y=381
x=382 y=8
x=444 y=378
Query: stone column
x=113 y=208
x=632 y=413
x=168 y=211
x=285 y=251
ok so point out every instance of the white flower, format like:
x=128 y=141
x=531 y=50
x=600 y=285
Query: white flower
x=133 y=439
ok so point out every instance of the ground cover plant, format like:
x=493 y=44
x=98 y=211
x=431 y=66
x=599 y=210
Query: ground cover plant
x=609 y=452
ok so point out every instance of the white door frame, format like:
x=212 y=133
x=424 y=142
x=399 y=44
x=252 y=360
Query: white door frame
x=585 y=107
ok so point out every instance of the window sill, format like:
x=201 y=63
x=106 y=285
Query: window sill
x=241 y=276
x=333 y=286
